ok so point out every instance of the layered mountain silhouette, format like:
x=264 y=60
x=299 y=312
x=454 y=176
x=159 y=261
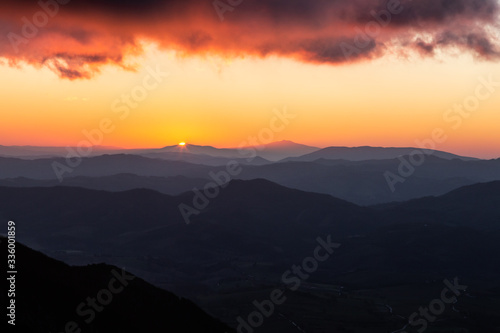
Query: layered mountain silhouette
x=99 y=166
x=127 y=208
x=189 y=153
x=274 y=151
x=360 y=182
x=35 y=152
x=206 y=159
x=365 y=183
x=121 y=182
x=240 y=244
x=283 y=149
x=371 y=153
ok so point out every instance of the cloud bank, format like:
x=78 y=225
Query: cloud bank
x=75 y=38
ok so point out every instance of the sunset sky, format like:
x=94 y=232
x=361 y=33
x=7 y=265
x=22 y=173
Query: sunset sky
x=227 y=76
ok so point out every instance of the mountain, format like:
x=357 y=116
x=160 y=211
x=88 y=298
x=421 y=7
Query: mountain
x=99 y=166
x=35 y=152
x=360 y=182
x=205 y=159
x=144 y=222
x=189 y=153
x=478 y=203
x=52 y=296
x=195 y=149
x=370 y=153
x=242 y=205
x=365 y=182
x=115 y=183
x=247 y=211
x=273 y=151
x=279 y=150
x=238 y=247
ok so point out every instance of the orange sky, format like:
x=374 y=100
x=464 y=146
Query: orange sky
x=220 y=94
x=390 y=102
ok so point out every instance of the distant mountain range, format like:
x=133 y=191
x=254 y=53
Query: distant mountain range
x=279 y=150
x=370 y=153
x=237 y=248
x=273 y=151
x=360 y=182
x=364 y=182
x=34 y=152
x=99 y=166
x=189 y=153
x=257 y=155
x=121 y=182
x=204 y=159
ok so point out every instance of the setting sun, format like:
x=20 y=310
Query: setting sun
x=182 y=143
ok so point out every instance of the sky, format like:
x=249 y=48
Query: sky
x=159 y=72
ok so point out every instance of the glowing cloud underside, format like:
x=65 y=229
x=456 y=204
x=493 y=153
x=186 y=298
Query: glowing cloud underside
x=76 y=39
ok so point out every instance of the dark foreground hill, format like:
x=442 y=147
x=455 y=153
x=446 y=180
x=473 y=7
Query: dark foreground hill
x=52 y=297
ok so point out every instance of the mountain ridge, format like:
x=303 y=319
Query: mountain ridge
x=41 y=276
x=362 y=153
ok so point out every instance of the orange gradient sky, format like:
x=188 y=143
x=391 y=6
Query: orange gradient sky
x=220 y=97
x=212 y=101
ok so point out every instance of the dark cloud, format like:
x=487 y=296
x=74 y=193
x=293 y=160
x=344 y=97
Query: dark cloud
x=442 y=11
x=70 y=73
x=82 y=35
x=426 y=48
x=338 y=50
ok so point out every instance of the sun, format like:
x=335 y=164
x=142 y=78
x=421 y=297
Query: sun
x=182 y=143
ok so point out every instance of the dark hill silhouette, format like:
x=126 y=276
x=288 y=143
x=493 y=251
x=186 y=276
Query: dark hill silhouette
x=360 y=182
x=243 y=214
x=35 y=152
x=371 y=153
x=253 y=231
x=363 y=182
x=282 y=149
x=475 y=206
x=249 y=205
x=105 y=165
x=189 y=152
x=115 y=183
x=205 y=159
x=48 y=293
